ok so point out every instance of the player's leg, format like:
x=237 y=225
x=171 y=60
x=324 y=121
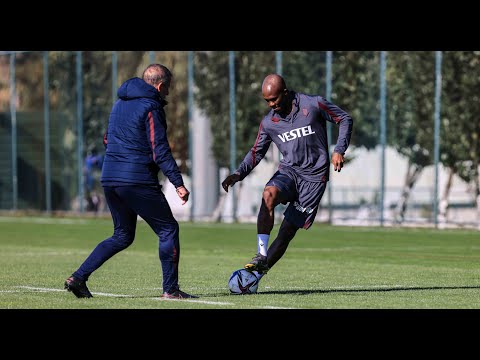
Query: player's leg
x=271 y=197
x=124 y=226
x=299 y=214
x=124 y=221
x=279 y=189
x=154 y=208
x=286 y=233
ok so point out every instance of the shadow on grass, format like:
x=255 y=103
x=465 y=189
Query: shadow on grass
x=327 y=291
x=403 y=288
x=285 y=292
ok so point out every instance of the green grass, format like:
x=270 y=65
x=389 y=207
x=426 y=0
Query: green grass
x=326 y=267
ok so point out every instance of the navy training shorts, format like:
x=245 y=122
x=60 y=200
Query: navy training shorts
x=303 y=197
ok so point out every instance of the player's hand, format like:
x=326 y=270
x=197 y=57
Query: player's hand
x=230 y=180
x=337 y=161
x=183 y=193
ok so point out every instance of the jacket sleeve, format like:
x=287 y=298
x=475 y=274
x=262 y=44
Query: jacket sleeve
x=336 y=115
x=162 y=155
x=256 y=153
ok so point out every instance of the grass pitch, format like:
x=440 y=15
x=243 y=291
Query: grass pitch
x=326 y=267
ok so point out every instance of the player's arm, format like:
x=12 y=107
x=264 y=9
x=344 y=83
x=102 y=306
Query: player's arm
x=337 y=161
x=162 y=155
x=183 y=193
x=335 y=114
x=251 y=159
x=230 y=180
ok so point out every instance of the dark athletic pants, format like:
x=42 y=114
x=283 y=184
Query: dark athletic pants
x=125 y=203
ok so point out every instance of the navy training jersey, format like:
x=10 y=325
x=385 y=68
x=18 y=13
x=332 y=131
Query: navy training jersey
x=301 y=137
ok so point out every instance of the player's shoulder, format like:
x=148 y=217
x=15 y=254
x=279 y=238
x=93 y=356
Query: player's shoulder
x=306 y=100
x=307 y=96
x=267 y=118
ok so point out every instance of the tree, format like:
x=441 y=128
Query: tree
x=411 y=84
x=460 y=145
x=212 y=80
x=177 y=108
x=356 y=88
x=97 y=100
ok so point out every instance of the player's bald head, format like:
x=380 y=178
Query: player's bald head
x=156 y=73
x=273 y=85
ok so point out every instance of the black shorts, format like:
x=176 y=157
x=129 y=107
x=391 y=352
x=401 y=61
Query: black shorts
x=303 y=197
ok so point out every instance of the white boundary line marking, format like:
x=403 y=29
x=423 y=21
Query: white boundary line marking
x=123 y=295
x=57 y=290
x=277 y=307
x=40 y=289
x=195 y=301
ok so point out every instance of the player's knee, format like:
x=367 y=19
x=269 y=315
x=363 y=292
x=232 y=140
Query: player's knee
x=124 y=238
x=172 y=229
x=270 y=198
x=176 y=227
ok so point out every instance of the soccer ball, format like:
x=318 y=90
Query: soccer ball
x=243 y=282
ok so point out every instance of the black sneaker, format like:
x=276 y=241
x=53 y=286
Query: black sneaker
x=178 y=294
x=258 y=263
x=78 y=287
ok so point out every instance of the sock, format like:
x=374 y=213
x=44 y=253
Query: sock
x=262 y=240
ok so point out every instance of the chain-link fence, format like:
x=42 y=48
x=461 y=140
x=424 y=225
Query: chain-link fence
x=414 y=156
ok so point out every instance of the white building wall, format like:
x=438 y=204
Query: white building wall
x=204 y=190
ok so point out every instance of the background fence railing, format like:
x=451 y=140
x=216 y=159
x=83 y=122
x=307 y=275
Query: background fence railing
x=54 y=108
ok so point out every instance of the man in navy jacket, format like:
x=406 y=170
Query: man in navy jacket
x=136 y=150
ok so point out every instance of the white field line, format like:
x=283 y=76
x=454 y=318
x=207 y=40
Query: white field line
x=195 y=301
x=122 y=295
x=153 y=298
x=200 y=301
x=277 y=307
x=57 y=290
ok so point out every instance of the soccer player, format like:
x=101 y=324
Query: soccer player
x=136 y=150
x=297 y=125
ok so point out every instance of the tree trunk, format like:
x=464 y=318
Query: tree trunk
x=413 y=173
x=443 y=204
x=219 y=208
x=477 y=189
x=217 y=213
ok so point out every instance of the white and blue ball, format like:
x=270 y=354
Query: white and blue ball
x=243 y=282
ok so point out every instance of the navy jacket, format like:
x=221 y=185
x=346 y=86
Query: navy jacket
x=301 y=137
x=136 y=139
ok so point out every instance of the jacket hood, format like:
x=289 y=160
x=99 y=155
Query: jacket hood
x=137 y=88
